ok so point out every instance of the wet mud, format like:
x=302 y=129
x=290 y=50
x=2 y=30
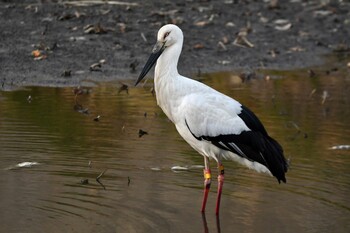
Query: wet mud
x=70 y=43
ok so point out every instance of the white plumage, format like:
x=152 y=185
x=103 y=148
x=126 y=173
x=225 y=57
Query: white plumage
x=214 y=124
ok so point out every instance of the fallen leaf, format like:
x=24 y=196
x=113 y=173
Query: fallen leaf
x=122 y=27
x=222 y=45
x=225 y=40
x=230 y=24
x=201 y=23
x=284 y=27
x=297 y=49
x=97 y=29
x=66 y=73
x=198 y=46
x=96 y=67
x=281 y=21
x=36 y=53
x=242 y=41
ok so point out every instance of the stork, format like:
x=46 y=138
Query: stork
x=215 y=125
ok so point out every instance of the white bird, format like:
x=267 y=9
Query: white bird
x=215 y=125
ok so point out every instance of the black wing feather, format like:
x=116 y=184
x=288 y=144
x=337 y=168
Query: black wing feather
x=255 y=145
x=251 y=120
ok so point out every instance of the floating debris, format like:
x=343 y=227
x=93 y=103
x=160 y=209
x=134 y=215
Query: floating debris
x=186 y=168
x=313 y=92
x=101 y=174
x=84 y=181
x=141 y=133
x=79 y=108
x=340 y=147
x=23 y=165
x=123 y=87
x=97 y=118
x=325 y=95
x=99 y=177
x=27 y=164
x=196 y=167
x=155 y=168
x=77 y=91
x=179 y=168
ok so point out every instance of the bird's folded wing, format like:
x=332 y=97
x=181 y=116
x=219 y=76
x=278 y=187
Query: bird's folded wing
x=230 y=126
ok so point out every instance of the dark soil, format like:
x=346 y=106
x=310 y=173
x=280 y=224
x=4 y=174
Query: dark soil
x=66 y=50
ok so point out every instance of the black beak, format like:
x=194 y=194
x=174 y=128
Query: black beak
x=156 y=52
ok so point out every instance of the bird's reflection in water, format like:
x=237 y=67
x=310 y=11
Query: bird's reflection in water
x=205 y=224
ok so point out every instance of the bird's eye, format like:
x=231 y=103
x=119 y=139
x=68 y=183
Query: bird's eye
x=165 y=35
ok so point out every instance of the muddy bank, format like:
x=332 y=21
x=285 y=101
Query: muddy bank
x=62 y=43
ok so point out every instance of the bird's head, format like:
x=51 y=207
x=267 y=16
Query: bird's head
x=168 y=35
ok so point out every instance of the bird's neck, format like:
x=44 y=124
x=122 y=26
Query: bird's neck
x=167 y=63
x=166 y=78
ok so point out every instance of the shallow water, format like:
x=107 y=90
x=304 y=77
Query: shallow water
x=140 y=192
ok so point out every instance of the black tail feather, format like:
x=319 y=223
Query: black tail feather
x=277 y=163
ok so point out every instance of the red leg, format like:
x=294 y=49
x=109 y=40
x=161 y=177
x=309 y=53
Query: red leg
x=220 y=184
x=207 y=181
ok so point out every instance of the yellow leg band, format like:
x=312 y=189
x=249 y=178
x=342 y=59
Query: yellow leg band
x=207 y=175
x=221 y=169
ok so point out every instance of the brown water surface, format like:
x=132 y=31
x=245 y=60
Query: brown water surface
x=140 y=192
